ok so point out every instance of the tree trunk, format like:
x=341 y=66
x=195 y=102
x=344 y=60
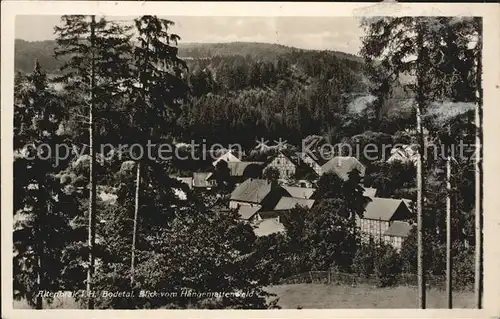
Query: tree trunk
x=39 y=251
x=420 y=204
x=478 y=283
x=449 y=288
x=39 y=281
x=420 y=171
x=136 y=213
x=92 y=197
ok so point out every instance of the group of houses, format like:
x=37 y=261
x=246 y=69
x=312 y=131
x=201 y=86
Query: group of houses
x=263 y=202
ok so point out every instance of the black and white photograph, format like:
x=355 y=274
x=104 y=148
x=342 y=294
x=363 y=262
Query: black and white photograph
x=178 y=161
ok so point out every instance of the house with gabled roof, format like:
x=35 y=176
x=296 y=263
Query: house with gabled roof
x=342 y=166
x=205 y=180
x=257 y=193
x=300 y=192
x=247 y=213
x=379 y=215
x=288 y=203
x=397 y=232
x=285 y=162
x=240 y=171
x=313 y=160
x=267 y=222
x=263 y=219
x=228 y=157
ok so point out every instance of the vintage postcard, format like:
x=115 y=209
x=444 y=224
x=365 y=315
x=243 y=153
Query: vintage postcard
x=301 y=159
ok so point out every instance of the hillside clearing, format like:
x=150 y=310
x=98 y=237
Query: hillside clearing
x=321 y=296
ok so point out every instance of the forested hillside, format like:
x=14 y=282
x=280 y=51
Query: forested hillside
x=298 y=94
x=253 y=90
x=26 y=51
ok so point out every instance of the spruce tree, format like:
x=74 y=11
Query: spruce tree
x=157 y=91
x=43 y=208
x=96 y=69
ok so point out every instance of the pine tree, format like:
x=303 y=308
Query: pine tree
x=95 y=69
x=408 y=35
x=43 y=210
x=157 y=93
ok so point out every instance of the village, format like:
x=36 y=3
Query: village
x=265 y=191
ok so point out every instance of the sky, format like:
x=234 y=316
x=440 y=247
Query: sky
x=321 y=33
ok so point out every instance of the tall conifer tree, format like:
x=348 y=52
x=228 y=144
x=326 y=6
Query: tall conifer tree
x=96 y=68
x=43 y=210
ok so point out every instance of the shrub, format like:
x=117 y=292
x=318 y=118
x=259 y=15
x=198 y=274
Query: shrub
x=388 y=266
x=364 y=261
x=463 y=269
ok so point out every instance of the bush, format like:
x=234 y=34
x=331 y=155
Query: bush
x=388 y=266
x=383 y=262
x=463 y=269
x=364 y=261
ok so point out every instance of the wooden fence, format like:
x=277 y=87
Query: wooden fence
x=339 y=278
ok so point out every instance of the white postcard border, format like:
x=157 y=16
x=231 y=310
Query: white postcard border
x=491 y=83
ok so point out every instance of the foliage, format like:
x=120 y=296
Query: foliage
x=315 y=245
x=330 y=186
x=192 y=249
x=43 y=208
x=378 y=260
x=106 y=51
x=364 y=260
x=443 y=67
x=155 y=86
x=388 y=266
x=271 y=173
x=392 y=180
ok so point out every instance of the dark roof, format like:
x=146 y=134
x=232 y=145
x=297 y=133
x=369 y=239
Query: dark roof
x=300 y=192
x=200 y=179
x=291 y=155
x=398 y=229
x=382 y=208
x=270 y=214
x=246 y=212
x=286 y=203
x=238 y=168
x=342 y=166
x=252 y=191
x=408 y=203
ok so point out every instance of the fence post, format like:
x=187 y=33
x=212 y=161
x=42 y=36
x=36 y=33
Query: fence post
x=329 y=276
